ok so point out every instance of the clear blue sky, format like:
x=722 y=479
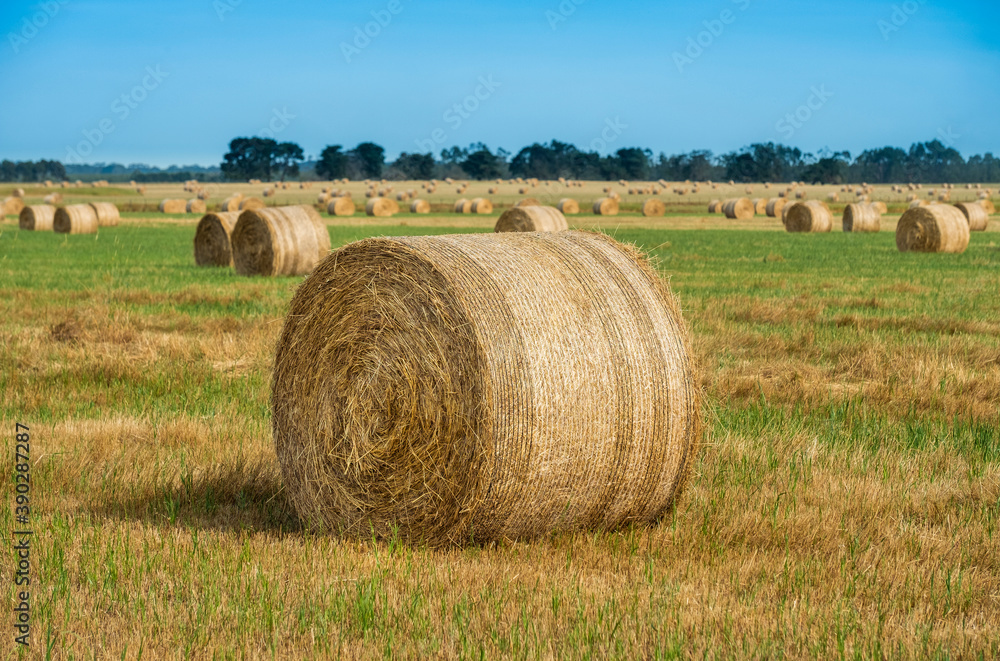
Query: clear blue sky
x=887 y=73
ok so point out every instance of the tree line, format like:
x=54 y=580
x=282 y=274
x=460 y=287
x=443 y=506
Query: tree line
x=29 y=171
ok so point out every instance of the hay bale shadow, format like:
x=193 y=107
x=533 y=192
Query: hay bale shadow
x=240 y=496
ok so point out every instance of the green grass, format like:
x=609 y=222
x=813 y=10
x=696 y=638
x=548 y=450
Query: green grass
x=846 y=503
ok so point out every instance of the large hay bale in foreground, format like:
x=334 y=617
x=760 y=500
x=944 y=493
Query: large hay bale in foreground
x=861 y=217
x=425 y=387
x=279 y=241
x=481 y=205
x=341 y=206
x=196 y=205
x=812 y=216
x=775 y=206
x=934 y=228
x=606 y=206
x=739 y=208
x=212 y=246
x=975 y=214
x=568 y=206
x=173 y=206
x=653 y=207
x=75 y=219
x=382 y=207
x=232 y=203
x=420 y=206
x=37 y=218
x=252 y=204
x=531 y=219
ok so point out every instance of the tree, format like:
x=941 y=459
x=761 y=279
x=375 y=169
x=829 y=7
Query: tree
x=287 y=156
x=633 y=163
x=249 y=158
x=370 y=159
x=831 y=168
x=415 y=166
x=332 y=163
x=482 y=164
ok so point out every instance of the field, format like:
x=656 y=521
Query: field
x=846 y=503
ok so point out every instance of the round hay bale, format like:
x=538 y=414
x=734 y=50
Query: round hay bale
x=653 y=207
x=975 y=214
x=37 y=218
x=481 y=205
x=919 y=203
x=833 y=197
x=382 y=207
x=862 y=218
x=715 y=206
x=987 y=204
x=107 y=214
x=252 y=204
x=606 y=206
x=196 y=205
x=232 y=203
x=424 y=387
x=341 y=206
x=173 y=206
x=211 y=239
x=463 y=206
x=203 y=195
x=531 y=219
x=279 y=241
x=18 y=192
x=420 y=206
x=75 y=219
x=568 y=206
x=811 y=216
x=528 y=202
x=53 y=198
x=882 y=207
x=739 y=208
x=760 y=206
x=775 y=206
x=12 y=206
x=933 y=228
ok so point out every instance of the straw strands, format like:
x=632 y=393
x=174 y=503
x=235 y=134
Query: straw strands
x=279 y=241
x=211 y=239
x=811 y=216
x=975 y=214
x=934 y=228
x=862 y=217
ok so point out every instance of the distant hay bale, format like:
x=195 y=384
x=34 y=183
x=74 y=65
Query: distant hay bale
x=522 y=190
x=862 y=218
x=653 y=207
x=715 y=206
x=196 y=205
x=833 y=197
x=775 y=206
x=739 y=208
x=12 y=206
x=934 y=228
x=463 y=206
x=53 y=198
x=171 y=205
x=212 y=245
x=606 y=206
x=800 y=195
x=975 y=214
x=919 y=203
x=341 y=206
x=531 y=219
x=812 y=216
x=252 y=204
x=881 y=206
x=444 y=389
x=382 y=207
x=528 y=202
x=203 y=195
x=18 y=192
x=279 y=241
x=481 y=205
x=987 y=204
x=760 y=206
x=37 y=218
x=107 y=214
x=568 y=206
x=232 y=203
x=75 y=219
x=420 y=206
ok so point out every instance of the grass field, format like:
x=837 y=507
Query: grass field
x=846 y=504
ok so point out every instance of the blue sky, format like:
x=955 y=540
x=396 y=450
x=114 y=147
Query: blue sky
x=172 y=82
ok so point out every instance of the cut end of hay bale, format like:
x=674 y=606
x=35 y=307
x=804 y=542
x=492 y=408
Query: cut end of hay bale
x=212 y=245
x=368 y=444
x=976 y=215
x=653 y=208
x=381 y=207
x=606 y=206
x=38 y=218
x=933 y=228
x=279 y=241
x=739 y=208
x=420 y=206
x=481 y=205
x=173 y=206
x=862 y=217
x=568 y=206
x=812 y=217
x=531 y=219
x=341 y=206
x=75 y=219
